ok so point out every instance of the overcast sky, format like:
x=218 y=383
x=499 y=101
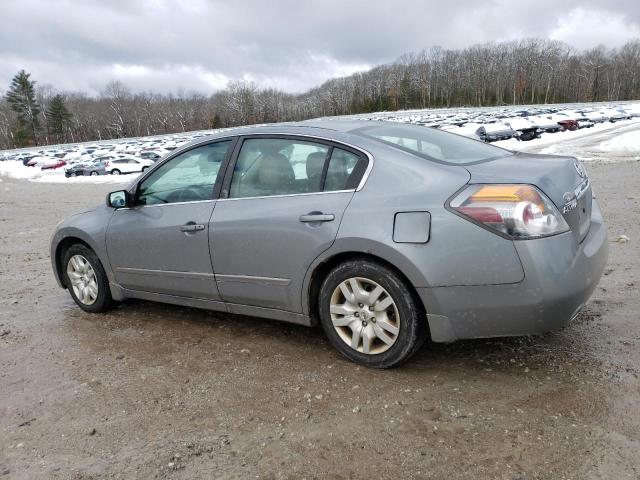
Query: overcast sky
x=163 y=45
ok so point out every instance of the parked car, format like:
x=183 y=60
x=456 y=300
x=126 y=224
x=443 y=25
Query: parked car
x=546 y=123
x=585 y=123
x=126 y=164
x=525 y=129
x=469 y=130
x=615 y=114
x=94 y=168
x=154 y=155
x=384 y=233
x=597 y=117
x=52 y=165
x=492 y=132
x=35 y=161
x=26 y=159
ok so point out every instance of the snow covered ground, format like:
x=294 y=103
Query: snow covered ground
x=549 y=141
x=626 y=142
x=15 y=169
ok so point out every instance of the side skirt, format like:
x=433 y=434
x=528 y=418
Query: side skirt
x=119 y=293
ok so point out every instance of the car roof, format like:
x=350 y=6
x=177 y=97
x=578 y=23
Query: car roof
x=318 y=127
x=330 y=124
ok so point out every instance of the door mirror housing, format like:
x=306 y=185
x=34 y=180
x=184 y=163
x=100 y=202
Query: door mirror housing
x=119 y=199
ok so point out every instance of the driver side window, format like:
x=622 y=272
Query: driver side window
x=188 y=177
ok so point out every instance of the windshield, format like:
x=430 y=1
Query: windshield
x=433 y=144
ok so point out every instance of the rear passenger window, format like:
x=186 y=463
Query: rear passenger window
x=274 y=166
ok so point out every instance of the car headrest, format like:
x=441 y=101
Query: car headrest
x=315 y=164
x=275 y=170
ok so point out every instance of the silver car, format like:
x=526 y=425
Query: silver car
x=386 y=234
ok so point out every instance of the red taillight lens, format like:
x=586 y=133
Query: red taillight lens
x=482 y=214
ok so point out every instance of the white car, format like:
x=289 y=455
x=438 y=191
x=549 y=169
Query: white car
x=597 y=117
x=126 y=164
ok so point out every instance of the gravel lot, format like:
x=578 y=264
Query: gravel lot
x=156 y=391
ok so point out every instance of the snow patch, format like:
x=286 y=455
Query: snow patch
x=15 y=169
x=553 y=140
x=627 y=142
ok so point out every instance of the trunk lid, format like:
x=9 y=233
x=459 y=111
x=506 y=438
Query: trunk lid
x=562 y=179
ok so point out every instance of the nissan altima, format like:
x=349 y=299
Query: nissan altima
x=385 y=234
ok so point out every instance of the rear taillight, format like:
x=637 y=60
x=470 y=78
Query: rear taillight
x=515 y=211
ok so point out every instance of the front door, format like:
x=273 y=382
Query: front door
x=161 y=243
x=285 y=202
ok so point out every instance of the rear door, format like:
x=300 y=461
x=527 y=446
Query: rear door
x=285 y=197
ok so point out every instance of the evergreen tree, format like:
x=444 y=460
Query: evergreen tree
x=58 y=117
x=21 y=98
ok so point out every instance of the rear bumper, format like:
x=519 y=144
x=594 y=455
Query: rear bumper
x=560 y=276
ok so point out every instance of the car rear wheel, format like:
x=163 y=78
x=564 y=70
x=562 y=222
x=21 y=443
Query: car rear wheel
x=144 y=168
x=370 y=314
x=115 y=171
x=94 y=174
x=86 y=279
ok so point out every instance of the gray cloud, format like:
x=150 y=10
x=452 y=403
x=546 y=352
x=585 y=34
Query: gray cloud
x=163 y=45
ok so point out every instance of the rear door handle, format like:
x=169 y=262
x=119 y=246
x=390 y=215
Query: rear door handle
x=192 y=227
x=317 y=217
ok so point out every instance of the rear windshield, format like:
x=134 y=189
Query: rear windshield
x=433 y=144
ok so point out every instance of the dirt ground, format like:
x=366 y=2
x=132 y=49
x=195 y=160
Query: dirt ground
x=156 y=391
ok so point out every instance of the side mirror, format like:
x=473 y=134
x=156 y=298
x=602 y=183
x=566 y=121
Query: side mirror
x=118 y=199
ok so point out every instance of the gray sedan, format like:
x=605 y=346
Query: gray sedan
x=385 y=234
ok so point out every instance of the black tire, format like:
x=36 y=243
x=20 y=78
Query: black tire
x=413 y=323
x=94 y=174
x=144 y=168
x=103 y=301
x=115 y=171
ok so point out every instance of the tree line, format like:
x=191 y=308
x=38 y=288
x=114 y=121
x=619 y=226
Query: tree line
x=509 y=73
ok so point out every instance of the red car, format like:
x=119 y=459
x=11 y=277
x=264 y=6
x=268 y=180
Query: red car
x=51 y=166
x=568 y=124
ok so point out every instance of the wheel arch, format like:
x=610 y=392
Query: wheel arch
x=60 y=250
x=321 y=267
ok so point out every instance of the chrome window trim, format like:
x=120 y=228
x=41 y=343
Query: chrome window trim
x=135 y=207
x=175 y=203
x=285 y=195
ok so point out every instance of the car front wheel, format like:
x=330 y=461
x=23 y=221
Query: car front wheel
x=370 y=314
x=86 y=279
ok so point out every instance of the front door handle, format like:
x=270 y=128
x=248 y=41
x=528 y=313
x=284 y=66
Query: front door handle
x=317 y=217
x=192 y=227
